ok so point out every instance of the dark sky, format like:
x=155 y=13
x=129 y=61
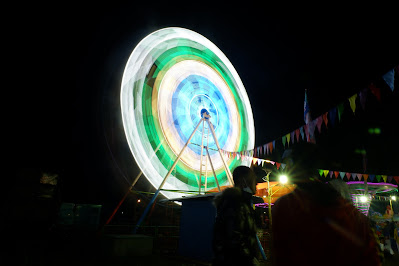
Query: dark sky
x=69 y=62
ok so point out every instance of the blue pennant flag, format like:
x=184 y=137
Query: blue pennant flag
x=389 y=78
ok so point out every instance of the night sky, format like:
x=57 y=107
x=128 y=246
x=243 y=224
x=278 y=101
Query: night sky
x=69 y=62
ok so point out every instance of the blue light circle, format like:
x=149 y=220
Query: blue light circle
x=192 y=95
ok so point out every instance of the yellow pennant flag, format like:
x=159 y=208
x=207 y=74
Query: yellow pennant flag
x=352 y=102
x=384 y=177
x=288 y=136
x=254 y=160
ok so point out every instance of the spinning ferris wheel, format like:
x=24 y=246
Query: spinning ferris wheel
x=183 y=102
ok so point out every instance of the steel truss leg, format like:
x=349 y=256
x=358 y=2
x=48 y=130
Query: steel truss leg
x=164 y=180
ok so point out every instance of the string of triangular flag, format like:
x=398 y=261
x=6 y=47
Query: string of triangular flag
x=359 y=176
x=246 y=156
x=381 y=197
x=306 y=132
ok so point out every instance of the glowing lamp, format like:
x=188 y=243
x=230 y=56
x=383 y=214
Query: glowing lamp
x=283 y=179
x=363 y=199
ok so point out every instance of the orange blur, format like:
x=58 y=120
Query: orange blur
x=277 y=190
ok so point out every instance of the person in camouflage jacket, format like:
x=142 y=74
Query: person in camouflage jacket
x=234 y=241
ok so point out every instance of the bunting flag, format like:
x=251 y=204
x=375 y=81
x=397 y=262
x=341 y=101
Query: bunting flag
x=283 y=139
x=306 y=132
x=359 y=176
x=297 y=132
x=292 y=136
x=362 y=97
x=333 y=114
x=301 y=130
x=342 y=174
x=340 y=109
x=319 y=121
x=352 y=102
x=247 y=155
x=389 y=78
x=325 y=119
x=376 y=91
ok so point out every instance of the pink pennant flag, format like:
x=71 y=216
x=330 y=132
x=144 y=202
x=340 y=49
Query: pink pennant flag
x=348 y=175
x=272 y=162
x=359 y=176
x=352 y=102
x=331 y=173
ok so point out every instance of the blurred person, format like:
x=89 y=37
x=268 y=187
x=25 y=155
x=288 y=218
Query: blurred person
x=314 y=224
x=389 y=242
x=388 y=212
x=235 y=241
x=380 y=245
x=396 y=235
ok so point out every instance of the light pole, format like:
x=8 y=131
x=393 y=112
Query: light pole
x=283 y=179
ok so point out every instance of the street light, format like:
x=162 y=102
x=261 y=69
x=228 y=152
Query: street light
x=283 y=179
x=363 y=199
x=393 y=198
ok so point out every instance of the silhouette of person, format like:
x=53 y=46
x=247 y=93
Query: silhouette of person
x=234 y=241
x=314 y=224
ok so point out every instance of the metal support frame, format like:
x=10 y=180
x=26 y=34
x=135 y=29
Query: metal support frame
x=228 y=173
x=205 y=118
x=213 y=170
x=129 y=190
